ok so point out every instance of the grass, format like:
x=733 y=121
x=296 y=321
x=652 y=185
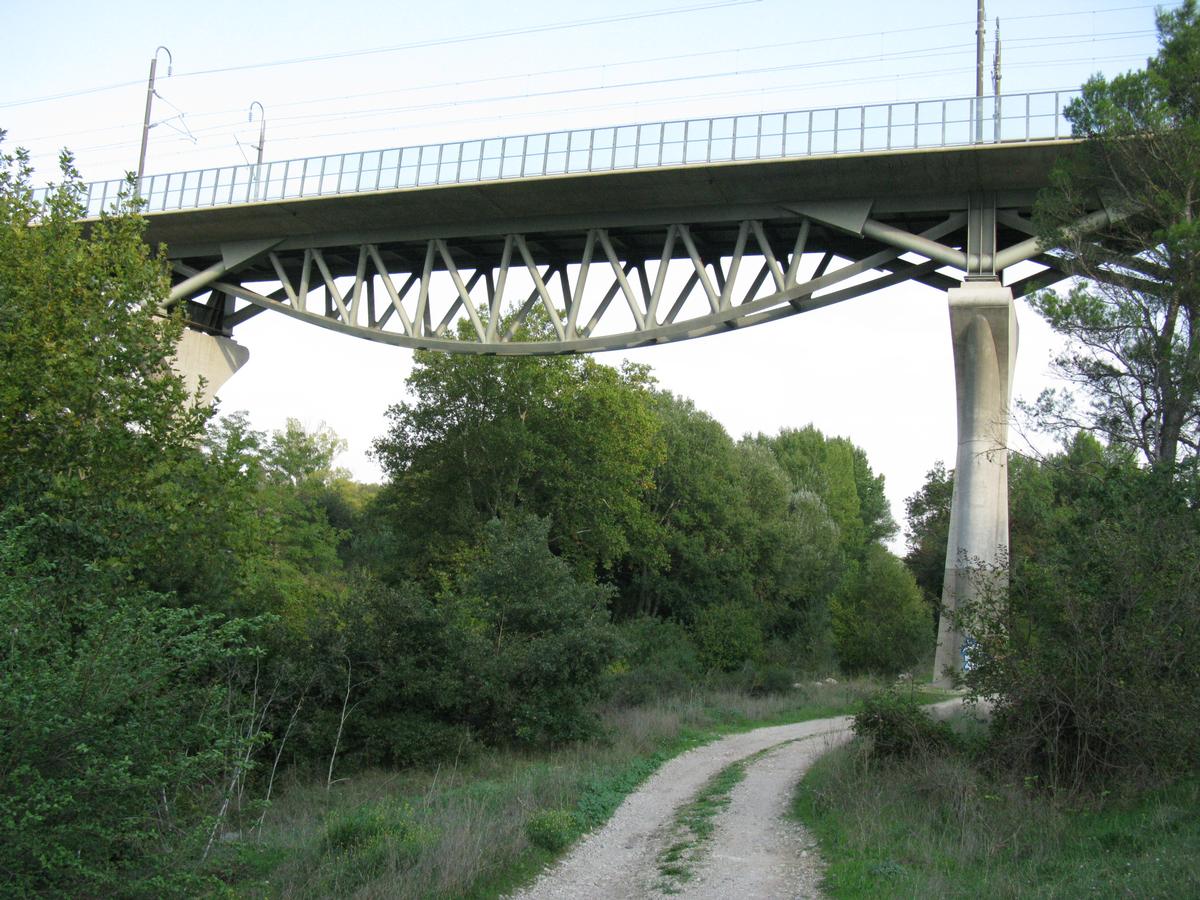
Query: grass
x=693 y=824
x=938 y=827
x=482 y=827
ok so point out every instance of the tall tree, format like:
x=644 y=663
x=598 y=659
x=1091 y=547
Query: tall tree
x=564 y=437
x=1133 y=323
x=117 y=704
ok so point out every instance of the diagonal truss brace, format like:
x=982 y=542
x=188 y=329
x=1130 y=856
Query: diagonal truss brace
x=391 y=294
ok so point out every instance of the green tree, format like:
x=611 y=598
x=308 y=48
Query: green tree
x=880 y=620
x=694 y=507
x=927 y=533
x=1133 y=322
x=512 y=649
x=119 y=709
x=1091 y=655
x=840 y=474
x=562 y=436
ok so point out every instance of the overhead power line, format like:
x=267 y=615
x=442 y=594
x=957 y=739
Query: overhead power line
x=539 y=29
x=433 y=42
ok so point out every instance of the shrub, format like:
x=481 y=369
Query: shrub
x=727 y=635
x=880 y=620
x=899 y=728
x=1091 y=654
x=770 y=678
x=115 y=729
x=362 y=842
x=660 y=661
x=552 y=829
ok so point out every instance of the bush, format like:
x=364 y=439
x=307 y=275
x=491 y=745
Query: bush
x=116 y=726
x=660 y=661
x=880 y=620
x=513 y=649
x=899 y=728
x=1091 y=655
x=727 y=635
x=362 y=842
x=552 y=829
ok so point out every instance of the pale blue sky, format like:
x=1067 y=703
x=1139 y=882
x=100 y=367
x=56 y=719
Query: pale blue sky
x=877 y=369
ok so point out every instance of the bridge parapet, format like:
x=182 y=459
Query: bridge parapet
x=906 y=125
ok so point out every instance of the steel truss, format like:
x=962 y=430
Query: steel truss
x=594 y=289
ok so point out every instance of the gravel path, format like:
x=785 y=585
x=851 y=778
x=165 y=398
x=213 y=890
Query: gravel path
x=753 y=853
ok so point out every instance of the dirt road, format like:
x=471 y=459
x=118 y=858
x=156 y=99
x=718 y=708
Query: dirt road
x=753 y=850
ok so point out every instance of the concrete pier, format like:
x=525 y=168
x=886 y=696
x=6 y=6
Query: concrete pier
x=210 y=358
x=983 y=329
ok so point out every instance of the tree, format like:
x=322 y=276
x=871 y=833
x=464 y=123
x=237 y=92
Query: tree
x=1133 y=322
x=119 y=708
x=1090 y=656
x=840 y=474
x=562 y=436
x=880 y=621
x=927 y=533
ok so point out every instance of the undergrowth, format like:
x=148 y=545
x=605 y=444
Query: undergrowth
x=693 y=824
x=480 y=827
x=935 y=825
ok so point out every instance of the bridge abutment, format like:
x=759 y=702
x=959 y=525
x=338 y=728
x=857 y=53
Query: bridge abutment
x=210 y=357
x=983 y=329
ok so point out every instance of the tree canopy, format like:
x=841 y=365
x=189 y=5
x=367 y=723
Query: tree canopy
x=1133 y=321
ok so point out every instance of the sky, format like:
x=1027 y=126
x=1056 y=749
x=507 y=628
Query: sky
x=371 y=75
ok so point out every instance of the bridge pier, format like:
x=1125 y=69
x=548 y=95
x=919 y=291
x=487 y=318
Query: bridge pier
x=213 y=358
x=983 y=329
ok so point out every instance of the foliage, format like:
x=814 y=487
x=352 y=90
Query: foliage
x=534 y=640
x=727 y=635
x=552 y=830
x=562 y=437
x=838 y=472
x=125 y=724
x=938 y=826
x=732 y=529
x=927 y=534
x=1134 y=346
x=513 y=648
x=899 y=728
x=115 y=732
x=880 y=621
x=660 y=661
x=1091 y=654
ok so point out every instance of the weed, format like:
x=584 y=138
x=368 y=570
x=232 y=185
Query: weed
x=552 y=829
x=694 y=823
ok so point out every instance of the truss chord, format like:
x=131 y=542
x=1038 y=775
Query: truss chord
x=757 y=283
x=660 y=276
x=735 y=299
x=769 y=255
x=494 y=307
x=421 y=318
x=736 y=262
x=789 y=279
x=331 y=288
x=464 y=295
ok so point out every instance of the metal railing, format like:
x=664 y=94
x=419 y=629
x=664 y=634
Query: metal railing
x=815 y=132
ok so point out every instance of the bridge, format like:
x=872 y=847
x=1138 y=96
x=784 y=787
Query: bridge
x=616 y=237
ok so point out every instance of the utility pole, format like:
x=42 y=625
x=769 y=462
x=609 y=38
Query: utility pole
x=262 y=140
x=149 y=101
x=996 y=81
x=980 y=27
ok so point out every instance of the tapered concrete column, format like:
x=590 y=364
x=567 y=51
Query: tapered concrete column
x=209 y=357
x=983 y=328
